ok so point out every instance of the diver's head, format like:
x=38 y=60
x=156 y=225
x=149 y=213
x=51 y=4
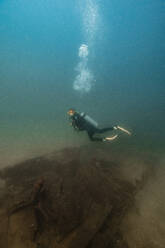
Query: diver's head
x=71 y=112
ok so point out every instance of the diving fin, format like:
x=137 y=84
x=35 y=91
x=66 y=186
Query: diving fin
x=124 y=130
x=111 y=138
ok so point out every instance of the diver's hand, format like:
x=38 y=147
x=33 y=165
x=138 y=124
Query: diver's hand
x=110 y=138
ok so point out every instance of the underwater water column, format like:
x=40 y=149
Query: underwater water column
x=85 y=78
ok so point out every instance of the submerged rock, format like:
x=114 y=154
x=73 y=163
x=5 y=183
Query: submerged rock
x=81 y=203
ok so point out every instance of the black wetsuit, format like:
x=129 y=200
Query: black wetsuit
x=80 y=124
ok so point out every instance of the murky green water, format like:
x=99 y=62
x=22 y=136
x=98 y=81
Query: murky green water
x=117 y=79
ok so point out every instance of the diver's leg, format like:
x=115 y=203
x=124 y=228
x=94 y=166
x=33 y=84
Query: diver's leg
x=90 y=135
x=103 y=130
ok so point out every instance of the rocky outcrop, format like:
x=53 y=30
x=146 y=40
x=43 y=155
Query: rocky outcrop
x=69 y=199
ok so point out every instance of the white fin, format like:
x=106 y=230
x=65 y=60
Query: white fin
x=124 y=130
x=111 y=138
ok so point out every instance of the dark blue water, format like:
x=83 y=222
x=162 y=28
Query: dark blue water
x=117 y=79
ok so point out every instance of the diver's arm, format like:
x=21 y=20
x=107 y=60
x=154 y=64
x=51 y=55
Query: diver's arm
x=72 y=122
x=75 y=122
x=74 y=125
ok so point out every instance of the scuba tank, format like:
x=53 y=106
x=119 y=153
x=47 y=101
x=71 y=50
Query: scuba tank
x=89 y=120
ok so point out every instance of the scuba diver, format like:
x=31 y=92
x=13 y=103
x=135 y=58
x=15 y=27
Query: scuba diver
x=83 y=122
